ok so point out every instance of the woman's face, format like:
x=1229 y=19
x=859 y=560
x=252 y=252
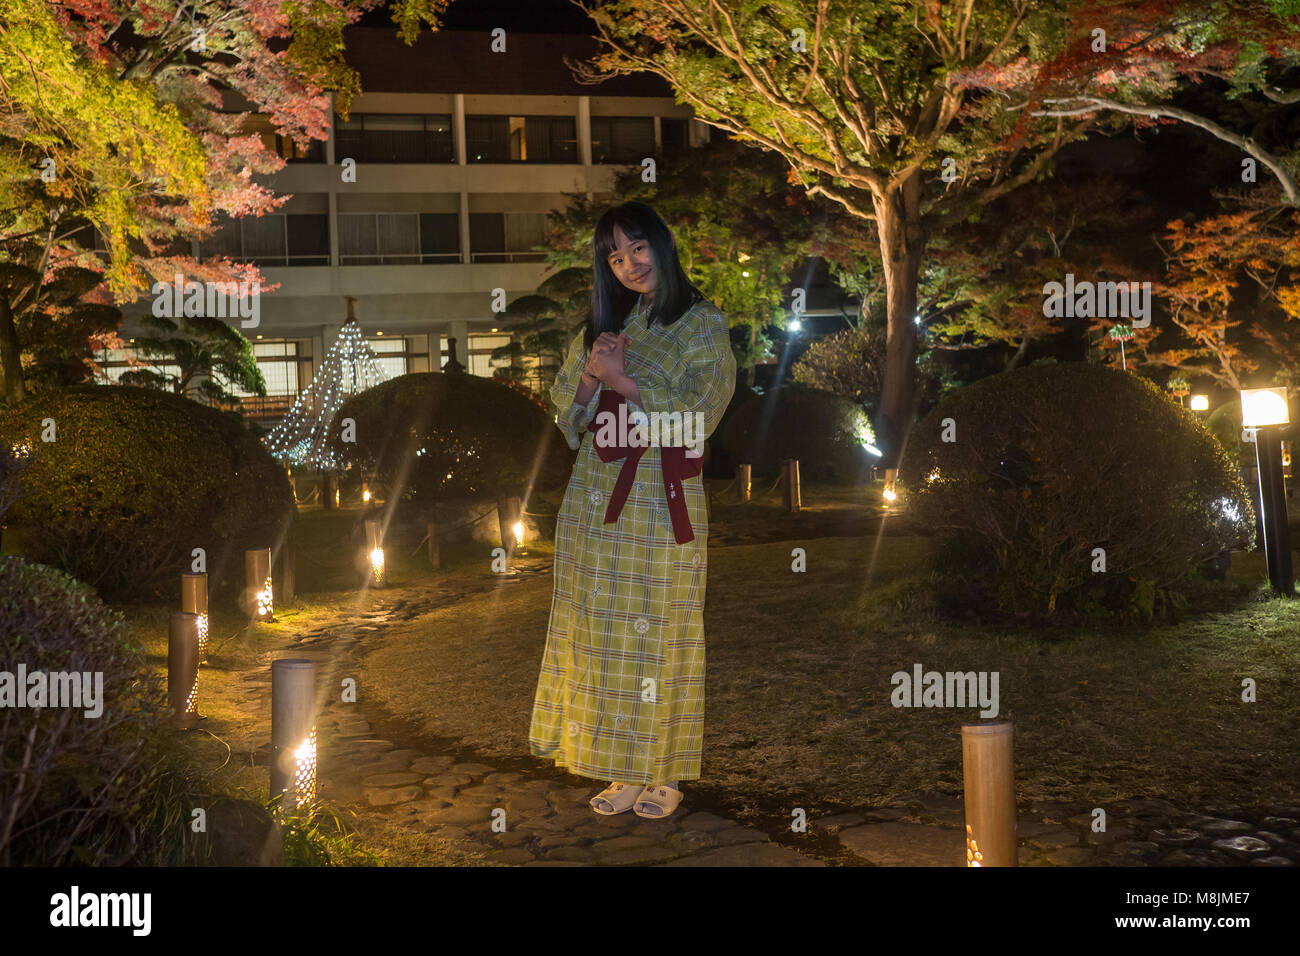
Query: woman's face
x=632 y=263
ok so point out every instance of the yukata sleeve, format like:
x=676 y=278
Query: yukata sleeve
x=701 y=382
x=571 y=417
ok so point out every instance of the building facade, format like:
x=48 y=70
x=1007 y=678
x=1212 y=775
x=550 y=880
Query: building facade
x=457 y=154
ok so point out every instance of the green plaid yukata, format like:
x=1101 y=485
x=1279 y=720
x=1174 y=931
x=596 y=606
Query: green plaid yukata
x=629 y=600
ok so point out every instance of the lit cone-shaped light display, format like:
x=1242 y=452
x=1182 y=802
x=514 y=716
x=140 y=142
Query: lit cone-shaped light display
x=349 y=367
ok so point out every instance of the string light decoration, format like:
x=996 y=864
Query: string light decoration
x=302 y=437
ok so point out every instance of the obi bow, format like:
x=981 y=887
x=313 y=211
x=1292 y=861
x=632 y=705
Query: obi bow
x=674 y=462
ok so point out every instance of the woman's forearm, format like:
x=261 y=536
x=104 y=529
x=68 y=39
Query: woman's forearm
x=587 y=386
x=624 y=385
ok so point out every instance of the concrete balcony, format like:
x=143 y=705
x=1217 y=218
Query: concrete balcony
x=445 y=178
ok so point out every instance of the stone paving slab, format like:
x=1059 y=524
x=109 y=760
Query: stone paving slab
x=906 y=844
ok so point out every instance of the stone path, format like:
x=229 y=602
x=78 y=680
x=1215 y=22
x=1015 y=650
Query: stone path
x=541 y=817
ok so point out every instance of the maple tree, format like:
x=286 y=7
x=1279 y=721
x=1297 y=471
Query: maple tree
x=901 y=112
x=135 y=121
x=1226 y=332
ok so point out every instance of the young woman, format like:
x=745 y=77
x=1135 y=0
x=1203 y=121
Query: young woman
x=620 y=697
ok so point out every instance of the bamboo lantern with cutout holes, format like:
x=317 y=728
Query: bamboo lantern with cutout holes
x=990 y=793
x=293 y=732
x=257 y=584
x=375 y=553
x=194 y=600
x=183 y=668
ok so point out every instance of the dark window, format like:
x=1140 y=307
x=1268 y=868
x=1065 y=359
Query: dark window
x=487 y=233
x=674 y=134
x=397 y=238
x=309 y=239
x=487 y=139
x=523 y=139
x=439 y=237
x=622 y=139
x=506 y=236
x=273 y=239
x=393 y=138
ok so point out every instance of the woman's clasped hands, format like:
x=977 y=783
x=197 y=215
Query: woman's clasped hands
x=608 y=358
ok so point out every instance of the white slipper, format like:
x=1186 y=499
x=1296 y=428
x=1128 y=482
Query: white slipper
x=664 y=800
x=620 y=796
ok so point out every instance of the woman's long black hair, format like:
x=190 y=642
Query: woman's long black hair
x=611 y=301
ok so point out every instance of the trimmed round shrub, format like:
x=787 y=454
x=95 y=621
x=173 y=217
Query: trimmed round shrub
x=75 y=789
x=1225 y=424
x=431 y=435
x=1051 y=463
x=825 y=432
x=134 y=480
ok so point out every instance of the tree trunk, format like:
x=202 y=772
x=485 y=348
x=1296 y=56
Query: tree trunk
x=1019 y=357
x=898 y=223
x=11 y=363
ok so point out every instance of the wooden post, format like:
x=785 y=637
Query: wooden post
x=742 y=482
x=288 y=569
x=326 y=490
x=990 y=792
x=434 y=558
x=790 y=481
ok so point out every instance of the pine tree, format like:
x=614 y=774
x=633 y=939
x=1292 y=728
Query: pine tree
x=349 y=367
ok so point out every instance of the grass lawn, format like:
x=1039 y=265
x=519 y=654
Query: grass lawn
x=799 y=706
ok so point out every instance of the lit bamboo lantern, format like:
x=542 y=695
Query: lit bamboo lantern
x=183 y=668
x=742 y=482
x=891 y=478
x=257 y=578
x=375 y=552
x=293 y=732
x=194 y=600
x=510 y=518
x=990 y=793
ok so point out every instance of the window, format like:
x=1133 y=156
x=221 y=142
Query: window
x=521 y=139
x=393 y=138
x=396 y=238
x=506 y=236
x=479 y=358
x=274 y=239
x=114 y=364
x=674 y=133
x=286 y=148
x=390 y=355
x=618 y=139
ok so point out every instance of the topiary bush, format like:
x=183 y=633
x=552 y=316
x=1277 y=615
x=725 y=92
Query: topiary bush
x=431 y=435
x=1052 y=462
x=134 y=480
x=80 y=789
x=824 y=431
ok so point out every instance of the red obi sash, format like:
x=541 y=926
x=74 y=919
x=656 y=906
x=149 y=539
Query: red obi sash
x=675 y=463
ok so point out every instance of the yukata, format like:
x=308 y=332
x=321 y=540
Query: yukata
x=621 y=690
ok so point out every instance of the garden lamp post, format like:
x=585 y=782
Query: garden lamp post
x=1199 y=403
x=1263 y=410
